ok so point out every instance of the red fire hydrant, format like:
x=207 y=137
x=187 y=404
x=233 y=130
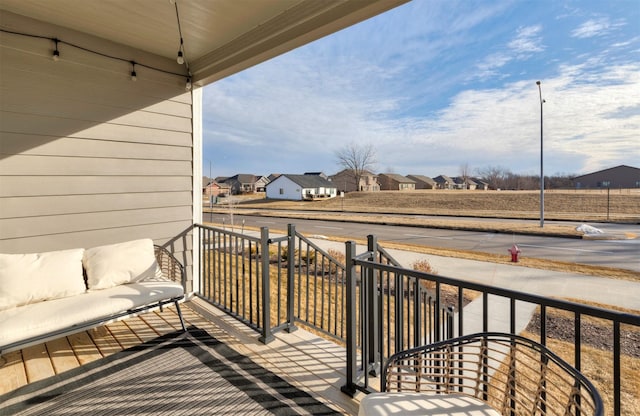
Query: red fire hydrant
x=515 y=251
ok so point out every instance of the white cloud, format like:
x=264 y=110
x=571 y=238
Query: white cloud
x=527 y=40
x=595 y=27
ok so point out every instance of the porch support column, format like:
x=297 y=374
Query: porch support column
x=352 y=359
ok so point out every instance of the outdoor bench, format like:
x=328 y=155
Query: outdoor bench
x=44 y=296
x=482 y=374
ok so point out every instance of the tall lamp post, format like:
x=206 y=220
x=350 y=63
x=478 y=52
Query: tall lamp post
x=541 y=161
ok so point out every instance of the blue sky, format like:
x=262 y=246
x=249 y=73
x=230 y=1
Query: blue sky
x=435 y=85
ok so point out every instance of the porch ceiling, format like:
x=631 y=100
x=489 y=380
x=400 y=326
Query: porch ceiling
x=220 y=37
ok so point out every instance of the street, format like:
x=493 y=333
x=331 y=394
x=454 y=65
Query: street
x=607 y=253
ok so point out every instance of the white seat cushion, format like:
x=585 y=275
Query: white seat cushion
x=36 y=277
x=414 y=404
x=116 y=264
x=40 y=318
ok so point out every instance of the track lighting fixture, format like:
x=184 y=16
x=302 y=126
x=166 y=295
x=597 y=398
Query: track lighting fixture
x=56 y=53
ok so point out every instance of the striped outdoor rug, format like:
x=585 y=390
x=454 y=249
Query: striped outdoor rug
x=181 y=373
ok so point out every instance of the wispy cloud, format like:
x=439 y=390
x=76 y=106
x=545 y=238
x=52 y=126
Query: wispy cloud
x=526 y=42
x=595 y=27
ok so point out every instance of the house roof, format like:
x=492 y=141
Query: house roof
x=397 y=177
x=244 y=178
x=621 y=167
x=422 y=178
x=310 y=181
x=443 y=178
x=220 y=37
x=350 y=172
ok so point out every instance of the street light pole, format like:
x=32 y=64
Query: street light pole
x=541 y=160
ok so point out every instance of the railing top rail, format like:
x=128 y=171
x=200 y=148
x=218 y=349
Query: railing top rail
x=621 y=317
x=231 y=233
x=278 y=239
x=365 y=257
x=386 y=254
x=318 y=249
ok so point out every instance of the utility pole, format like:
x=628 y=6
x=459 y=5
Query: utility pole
x=541 y=160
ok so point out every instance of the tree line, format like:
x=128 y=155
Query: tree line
x=359 y=158
x=501 y=178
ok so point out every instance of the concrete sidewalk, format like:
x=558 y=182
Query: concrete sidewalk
x=560 y=285
x=622 y=293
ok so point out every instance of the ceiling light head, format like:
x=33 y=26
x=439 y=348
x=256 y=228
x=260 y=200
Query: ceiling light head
x=56 y=52
x=188 y=85
x=134 y=76
x=180 y=58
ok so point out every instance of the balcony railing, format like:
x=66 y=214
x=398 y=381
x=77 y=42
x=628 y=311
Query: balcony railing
x=375 y=307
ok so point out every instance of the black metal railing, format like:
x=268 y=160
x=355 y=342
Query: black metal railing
x=620 y=325
x=270 y=283
x=387 y=312
x=375 y=307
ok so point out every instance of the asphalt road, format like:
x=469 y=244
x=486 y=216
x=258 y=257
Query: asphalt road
x=608 y=253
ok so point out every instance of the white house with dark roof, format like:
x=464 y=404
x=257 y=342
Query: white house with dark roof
x=301 y=187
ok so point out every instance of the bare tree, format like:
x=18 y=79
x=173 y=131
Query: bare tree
x=495 y=176
x=357 y=159
x=465 y=174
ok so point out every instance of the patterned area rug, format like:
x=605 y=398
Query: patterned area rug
x=181 y=373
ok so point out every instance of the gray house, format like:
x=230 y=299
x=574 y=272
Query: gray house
x=445 y=182
x=618 y=177
x=243 y=183
x=423 y=182
x=102 y=143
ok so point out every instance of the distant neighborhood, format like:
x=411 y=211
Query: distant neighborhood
x=312 y=186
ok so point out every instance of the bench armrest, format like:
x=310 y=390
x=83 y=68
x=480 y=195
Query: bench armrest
x=171 y=268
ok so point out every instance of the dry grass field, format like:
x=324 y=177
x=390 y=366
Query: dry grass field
x=621 y=205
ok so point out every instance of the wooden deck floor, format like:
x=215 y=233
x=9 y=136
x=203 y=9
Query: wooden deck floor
x=305 y=360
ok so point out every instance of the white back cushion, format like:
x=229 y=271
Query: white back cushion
x=116 y=264
x=34 y=277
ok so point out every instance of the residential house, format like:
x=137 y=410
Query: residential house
x=480 y=184
x=465 y=183
x=622 y=176
x=345 y=181
x=301 y=187
x=423 y=182
x=214 y=188
x=445 y=182
x=261 y=184
x=395 y=182
x=245 y=183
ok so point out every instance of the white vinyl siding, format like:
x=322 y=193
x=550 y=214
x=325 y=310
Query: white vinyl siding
x=284 y=188
x=87 y=156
